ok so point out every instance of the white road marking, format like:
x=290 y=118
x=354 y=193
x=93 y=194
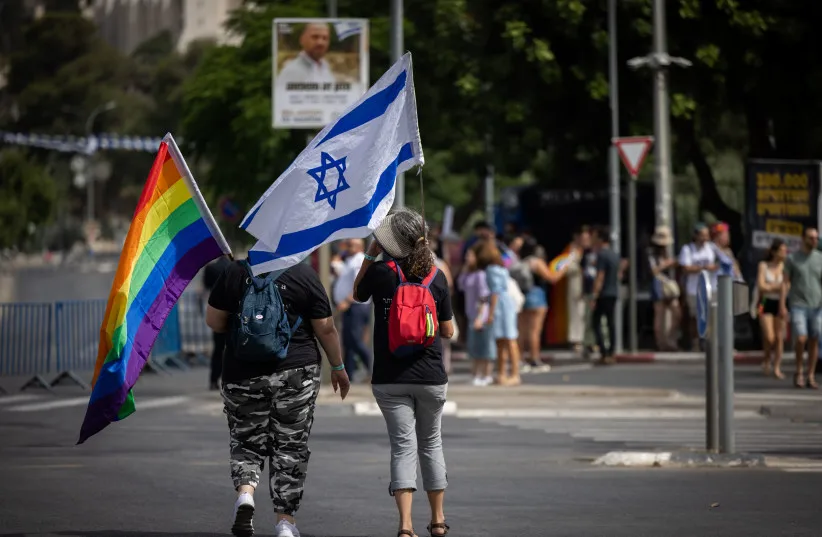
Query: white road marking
x=160 y=402
x=146 y=404
x=49 y=405
x=10 y=399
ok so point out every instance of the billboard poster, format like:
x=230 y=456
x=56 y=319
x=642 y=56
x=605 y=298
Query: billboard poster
x=782 y=199
x=320 y=68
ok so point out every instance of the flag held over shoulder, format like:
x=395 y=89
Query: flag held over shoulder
x=172 y=236
x=342 y=184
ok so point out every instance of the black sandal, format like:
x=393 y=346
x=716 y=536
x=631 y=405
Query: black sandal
x=438 y=526
x=410 y=533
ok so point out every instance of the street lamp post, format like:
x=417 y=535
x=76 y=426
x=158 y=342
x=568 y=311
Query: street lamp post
x=111 y=105
x=396 y=53
x=658 y=61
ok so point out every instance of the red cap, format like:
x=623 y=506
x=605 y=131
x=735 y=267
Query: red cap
x=718 y=228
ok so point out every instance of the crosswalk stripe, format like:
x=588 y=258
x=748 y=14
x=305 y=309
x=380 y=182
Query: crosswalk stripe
x=10 y=399
x=761 y=435
x=144 y=404
x=49 y=405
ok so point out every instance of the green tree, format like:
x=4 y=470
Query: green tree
x=27 y=197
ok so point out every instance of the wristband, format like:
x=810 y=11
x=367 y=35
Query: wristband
x=338 y=367
x=369 y=257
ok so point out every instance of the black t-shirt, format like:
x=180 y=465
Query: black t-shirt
x=380 y=282
x=608 y=262
x=213 y=271
x=303 y=296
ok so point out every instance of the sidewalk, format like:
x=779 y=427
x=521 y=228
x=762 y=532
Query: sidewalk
x=566 y=357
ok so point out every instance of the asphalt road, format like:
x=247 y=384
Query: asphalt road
x=164 y=472
x=688 y=379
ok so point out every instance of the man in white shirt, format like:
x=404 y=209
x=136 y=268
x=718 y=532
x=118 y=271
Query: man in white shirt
x=310 y=65
x=694 y=258
x=356 y=315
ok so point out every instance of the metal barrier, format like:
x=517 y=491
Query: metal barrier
x=77 y=330
x=25 y=340
x=195 y=337
x=41 y=338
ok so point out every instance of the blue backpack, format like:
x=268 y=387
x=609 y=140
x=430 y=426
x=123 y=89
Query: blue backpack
x=261 y=331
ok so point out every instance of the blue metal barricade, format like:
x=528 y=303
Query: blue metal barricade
x=77 y=331
x=195 y=335
x=42 y=338
x=167 y=347
x=25 y=340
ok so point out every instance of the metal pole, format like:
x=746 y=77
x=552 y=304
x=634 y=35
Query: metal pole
x=110 y=105
x=632 y=257
x=613 y=84
x=396 y=52
x=712 y=382
x=489 y=182
x=332 y=8
x=662 y=127
x=725 y=333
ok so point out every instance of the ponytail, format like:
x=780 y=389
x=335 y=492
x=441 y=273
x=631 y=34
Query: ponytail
x=420 y=261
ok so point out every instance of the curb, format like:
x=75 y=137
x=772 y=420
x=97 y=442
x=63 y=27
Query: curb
x=672 y=358
x=680 y=459
x=740 y=358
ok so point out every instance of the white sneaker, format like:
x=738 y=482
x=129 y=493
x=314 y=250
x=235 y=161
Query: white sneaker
x=478 y=381
x=487 y=381
x=243 y=515
x=286 y=529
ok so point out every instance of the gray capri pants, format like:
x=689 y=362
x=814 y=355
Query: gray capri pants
x=413 y=416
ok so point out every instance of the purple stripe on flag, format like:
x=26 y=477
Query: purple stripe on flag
x=104 y=410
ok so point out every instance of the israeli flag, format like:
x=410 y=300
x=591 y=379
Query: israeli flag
x=342 y=185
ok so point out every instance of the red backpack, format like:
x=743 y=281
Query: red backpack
x=412 y=319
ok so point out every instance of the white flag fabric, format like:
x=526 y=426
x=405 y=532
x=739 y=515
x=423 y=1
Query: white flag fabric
x=342 y=184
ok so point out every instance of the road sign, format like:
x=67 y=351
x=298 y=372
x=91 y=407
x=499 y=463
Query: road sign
x=632 y=151
x=704 y=295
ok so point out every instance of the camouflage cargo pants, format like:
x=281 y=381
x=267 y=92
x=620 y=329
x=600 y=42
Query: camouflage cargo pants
x=270 y=418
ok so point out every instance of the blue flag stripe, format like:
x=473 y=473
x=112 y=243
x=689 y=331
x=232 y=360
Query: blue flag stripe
x=308 y=239
x=369 y=109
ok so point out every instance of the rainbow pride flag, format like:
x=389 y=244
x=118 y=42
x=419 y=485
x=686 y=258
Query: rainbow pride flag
x=172 y=236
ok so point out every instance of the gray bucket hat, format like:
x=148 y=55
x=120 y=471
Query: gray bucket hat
x=400 y=232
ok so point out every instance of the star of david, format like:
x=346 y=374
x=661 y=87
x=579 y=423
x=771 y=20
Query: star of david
x=327 y=162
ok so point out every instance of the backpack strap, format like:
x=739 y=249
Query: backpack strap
x=296 y=325
x=430 y=278
x=393 y=265
x=259 y=283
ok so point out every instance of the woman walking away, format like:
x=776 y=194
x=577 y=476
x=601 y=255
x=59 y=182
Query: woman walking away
x=502 y=318
x=480 y=344
x=534 y=274
x=664 y=290
x=271 y=381
x=769 y=285
x=412 y=313
x=443 y=266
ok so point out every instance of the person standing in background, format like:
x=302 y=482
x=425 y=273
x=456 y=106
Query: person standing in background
x=769 y=286
x=502 y=317
x=580 y=284
x=605 y=292
x=443 y=266
x=721 y=237
x=356 y=316
x=211 y=274
x=480 y=342
x=802 y=289
x=693 y=259
x=665 y=291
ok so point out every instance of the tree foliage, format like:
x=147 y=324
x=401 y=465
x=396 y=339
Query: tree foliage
x=27 y=197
